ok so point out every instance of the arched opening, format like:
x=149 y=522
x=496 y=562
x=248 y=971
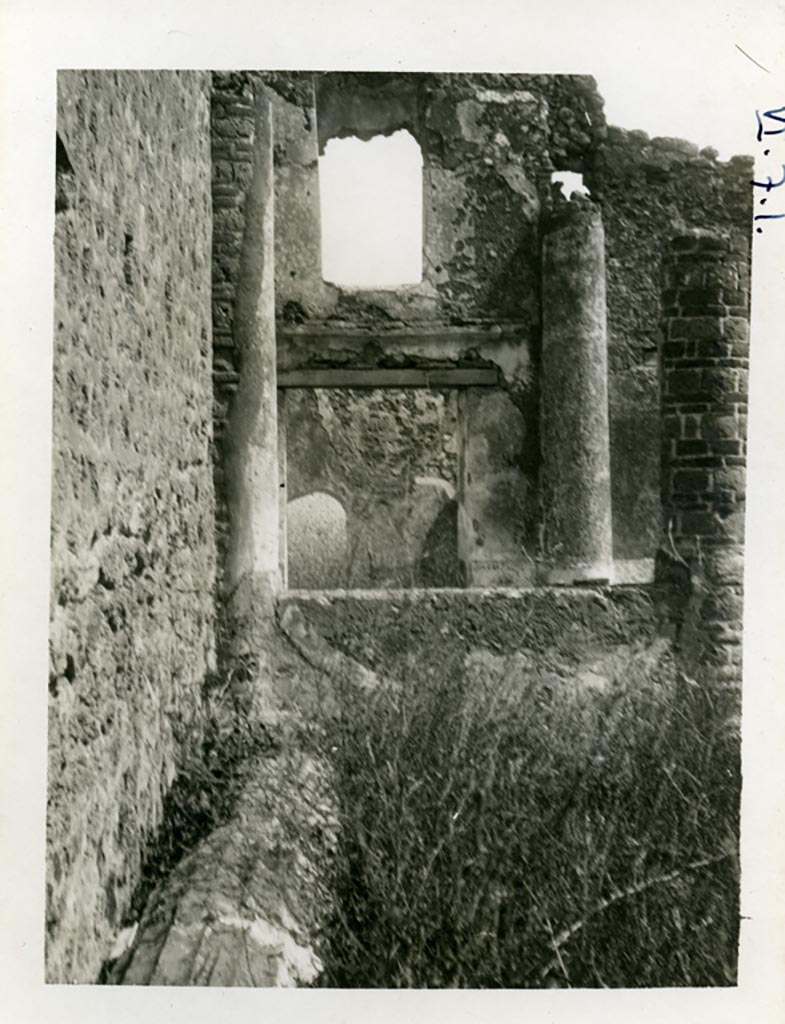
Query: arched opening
x=317 y=542
x=372 y=211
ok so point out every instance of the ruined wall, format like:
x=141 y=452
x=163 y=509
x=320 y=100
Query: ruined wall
x=133 y=556
x=389 y=456
x=563 y=636
x=648 y=189
x=486 y=172
x=490 y=143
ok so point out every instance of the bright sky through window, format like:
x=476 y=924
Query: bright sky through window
x=371 y=204
x=570 y=182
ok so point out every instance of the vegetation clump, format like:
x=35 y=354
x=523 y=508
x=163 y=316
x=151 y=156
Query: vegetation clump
x=517 y=834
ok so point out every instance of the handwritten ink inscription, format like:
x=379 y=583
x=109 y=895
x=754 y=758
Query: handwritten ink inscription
x=775 y=116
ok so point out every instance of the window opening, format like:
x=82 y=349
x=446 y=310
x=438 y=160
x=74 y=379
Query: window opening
x=371 y=211
x=570 y=182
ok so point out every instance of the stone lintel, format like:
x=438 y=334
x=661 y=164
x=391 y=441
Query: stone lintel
x=339 y=377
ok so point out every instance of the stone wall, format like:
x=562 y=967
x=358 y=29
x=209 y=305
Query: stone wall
x=485 y=172
x=587 y=635
x=389 y=456
x=133 y=550
x=649 y=189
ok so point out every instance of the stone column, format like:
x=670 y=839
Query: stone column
x=577 y=542
x=704 y=362
x=253 y=573
x=283 y=497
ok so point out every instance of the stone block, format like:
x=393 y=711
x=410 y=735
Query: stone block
x=723 y=605
x=695 y=328
x=696 y=522
x=730 y=479
x=690 y=481
x=234 y=127
x=684 y=243
x=727 y=447
x=737 y=329
x=683 y=382
x=726 y=565
x=735 y=297
x=223 y=171
x=691 y=425
x=715 y=383
x=676 y=350
x=714 y=348
x=689 y=448
x=697 y=298
x=719 y=428
x=671 y=426
x=710 y=243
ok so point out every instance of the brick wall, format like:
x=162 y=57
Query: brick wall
x=133 y=556
x=704 y=385
x=231 y=139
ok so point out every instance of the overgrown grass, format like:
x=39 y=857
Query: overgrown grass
x=518 y=836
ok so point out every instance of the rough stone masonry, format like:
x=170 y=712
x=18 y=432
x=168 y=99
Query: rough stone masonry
x=133 y=524
x=505 y=448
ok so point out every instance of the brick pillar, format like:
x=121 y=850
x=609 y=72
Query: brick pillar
x=574 y=400
x=232 y=134
x=704 y=367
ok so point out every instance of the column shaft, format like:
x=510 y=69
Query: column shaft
x=252 y=433
x=577 y=543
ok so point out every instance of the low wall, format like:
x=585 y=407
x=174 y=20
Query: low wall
x=583 y=634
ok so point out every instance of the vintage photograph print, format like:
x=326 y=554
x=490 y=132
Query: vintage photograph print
x=398 y=496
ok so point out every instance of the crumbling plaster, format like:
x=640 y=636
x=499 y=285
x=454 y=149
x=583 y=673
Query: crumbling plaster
x=483 y=175
x=389 y=457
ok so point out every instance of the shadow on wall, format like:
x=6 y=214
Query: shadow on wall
x=440 y=564
x=317 y=541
